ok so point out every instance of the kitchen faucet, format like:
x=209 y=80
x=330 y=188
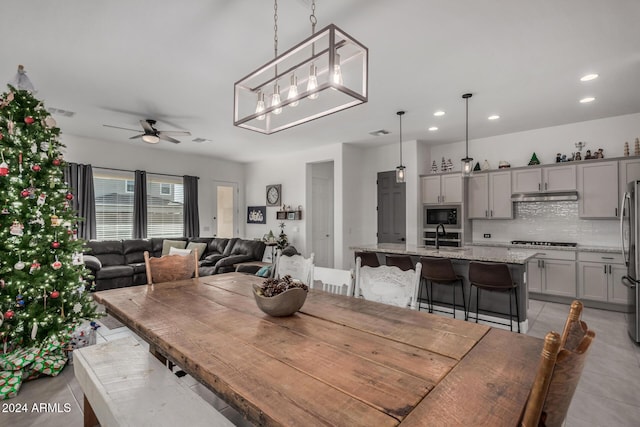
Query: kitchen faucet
x=438 y=235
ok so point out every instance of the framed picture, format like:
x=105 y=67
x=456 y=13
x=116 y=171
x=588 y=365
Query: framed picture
x=291 y=215
x=274 y=195
x=256 y=215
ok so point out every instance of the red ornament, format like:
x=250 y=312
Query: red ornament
x=1 y=136
x=29 y=120
x=55 y=294
x=56 y=162
x=8 y=315
x=4 y=169
x=69 y=196
x=55 y=244
x=24 y=193
x=36 y=168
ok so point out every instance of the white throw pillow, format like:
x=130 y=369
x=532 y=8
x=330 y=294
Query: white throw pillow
x=176 y=251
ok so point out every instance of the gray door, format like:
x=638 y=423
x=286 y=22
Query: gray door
x=391 y=209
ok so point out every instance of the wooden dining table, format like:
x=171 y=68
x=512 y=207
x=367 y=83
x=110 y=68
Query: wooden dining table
x=339 y=361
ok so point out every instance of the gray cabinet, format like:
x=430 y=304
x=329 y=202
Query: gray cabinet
x=600 y=277
x=628 y=170
x=544 y=179
x=598 y=188
x=442 y=189
x=553 y=272
x=489 y=196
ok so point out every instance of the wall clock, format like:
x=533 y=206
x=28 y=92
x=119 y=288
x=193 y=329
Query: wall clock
x=274 y=194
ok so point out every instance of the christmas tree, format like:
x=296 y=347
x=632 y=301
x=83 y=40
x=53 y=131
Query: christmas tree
x=43 y=293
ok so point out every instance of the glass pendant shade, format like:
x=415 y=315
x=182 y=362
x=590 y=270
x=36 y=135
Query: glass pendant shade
x=275 y=100
x=467 y=166
x=400 y=176
x=467 y=162
x=328 y=59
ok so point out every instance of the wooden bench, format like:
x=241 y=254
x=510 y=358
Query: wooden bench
x=124 y=385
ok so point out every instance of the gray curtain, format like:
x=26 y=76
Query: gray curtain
x=80 y=178
x=140 y=205
x=191 y=216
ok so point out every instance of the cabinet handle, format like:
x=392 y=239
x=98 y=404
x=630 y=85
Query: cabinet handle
x=616 y=209
x=486 y=214
x=609 y=268
x=491 y=212
x=538 y=186
x=542 y=261
x=539 y=264
x=442 y=199
x=607 y=257
x=546 y=185
x=605 y=269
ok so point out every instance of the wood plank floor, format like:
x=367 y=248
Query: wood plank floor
x=606 y=396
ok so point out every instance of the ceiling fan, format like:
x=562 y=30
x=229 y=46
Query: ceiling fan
x=153 y=135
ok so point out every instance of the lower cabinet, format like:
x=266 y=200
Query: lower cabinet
x=552 y=276
x=600 y=277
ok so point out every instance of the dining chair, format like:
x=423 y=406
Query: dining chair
x=368 y=258
x=388 y=284
x=493 y=277
x=440 y=271
x=403 y=262
x=296 y=266
x=573 y=328
x=168 y=268
x=552 y=393
x=333 y=280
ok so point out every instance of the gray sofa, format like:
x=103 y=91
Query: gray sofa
x=120 y=263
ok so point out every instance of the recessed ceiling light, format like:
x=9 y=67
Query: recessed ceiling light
x=587 y=99
x=588 y=77
x=494 y=117
x=439 y=113
x=433 y=128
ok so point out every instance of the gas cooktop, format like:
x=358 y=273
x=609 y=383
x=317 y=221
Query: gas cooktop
x=539 y=243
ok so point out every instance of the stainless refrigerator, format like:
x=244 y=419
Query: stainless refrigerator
x=630 y=235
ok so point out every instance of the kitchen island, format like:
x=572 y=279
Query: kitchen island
x=516 y=259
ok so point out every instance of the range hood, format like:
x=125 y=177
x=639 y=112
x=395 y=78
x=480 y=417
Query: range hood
x=545 y=197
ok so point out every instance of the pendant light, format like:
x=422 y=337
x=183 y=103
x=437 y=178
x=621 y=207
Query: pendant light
x=467 y=162
x=400 y=170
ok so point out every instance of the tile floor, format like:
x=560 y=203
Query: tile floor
x=608 y=393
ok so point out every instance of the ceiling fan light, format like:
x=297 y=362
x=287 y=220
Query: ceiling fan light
x=151 y=139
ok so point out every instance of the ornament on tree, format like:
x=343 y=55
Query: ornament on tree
x=29 y=120
x=69 y=196
x=4 y=167
x=8 y=315
x=36 y=168
x=16 y=228
x=56 y=162
x=2 y=284
x=55 y=220
x=19 y=300
x=56 y=265
x=77 y=259
x=55 y=294
x=1 y=136
x=10 y=127
x=55 y=244
x=35 y=266
x=41 y=199
x=49 y=122
x=5 y=210
x=19 y=265
x=24 y=193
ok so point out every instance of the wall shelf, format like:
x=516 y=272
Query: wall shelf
x=289 y=215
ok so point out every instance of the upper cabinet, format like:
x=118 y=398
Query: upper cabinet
x=629 y=170
x=442 y=189
x=489 y=196
x=598 y=188
x=552 y=178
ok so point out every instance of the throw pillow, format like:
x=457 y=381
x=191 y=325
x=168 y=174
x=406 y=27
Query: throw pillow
x=264 y=271
x=168 y=244
x=176 y=251
x=200 y=246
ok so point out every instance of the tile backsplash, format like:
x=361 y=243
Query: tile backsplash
x=549 y=221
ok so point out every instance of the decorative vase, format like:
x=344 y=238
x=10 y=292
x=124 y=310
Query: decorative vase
x=283 y=304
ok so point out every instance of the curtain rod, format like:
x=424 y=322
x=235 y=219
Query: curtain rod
x=152 y=173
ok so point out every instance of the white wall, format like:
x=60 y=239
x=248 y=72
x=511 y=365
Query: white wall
x=609 y=134
x=152 y=159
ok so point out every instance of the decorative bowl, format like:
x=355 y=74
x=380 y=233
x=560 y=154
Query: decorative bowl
x=283 y=304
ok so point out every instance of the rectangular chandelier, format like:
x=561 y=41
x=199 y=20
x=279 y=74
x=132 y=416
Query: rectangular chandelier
x=326 y=73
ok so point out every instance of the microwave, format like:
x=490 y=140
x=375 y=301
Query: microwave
x=447 y=215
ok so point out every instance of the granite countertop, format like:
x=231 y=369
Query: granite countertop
x=504 y=254
x=579 y=248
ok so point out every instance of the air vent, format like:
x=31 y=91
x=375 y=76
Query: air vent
x=380 y=132
x=61 y=112
x=201 y=140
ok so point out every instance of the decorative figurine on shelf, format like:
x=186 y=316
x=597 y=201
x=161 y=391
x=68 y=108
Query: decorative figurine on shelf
x=503 y=164
x=282 y=241
x=599 y=154
x=626 y=149
x=534 y=160
x=636 y=148
x=588 y=155
x=476 y=168
x=558 y=158
x=578 y=156
x=443 y=165
x=485 y=165
x=434 y=167
x=449 y=165
x=563 y=158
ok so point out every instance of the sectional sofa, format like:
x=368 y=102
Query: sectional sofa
x=120 y=263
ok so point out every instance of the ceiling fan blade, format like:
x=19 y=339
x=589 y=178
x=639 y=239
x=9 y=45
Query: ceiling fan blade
x=138 y=136
x=147 y=126
x=118 y=127
x=168 y=138
x=174 y=132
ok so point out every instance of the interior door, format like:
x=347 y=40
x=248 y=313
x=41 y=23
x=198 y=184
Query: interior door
x=322 y=213
x=225 y=217
x=392 y=208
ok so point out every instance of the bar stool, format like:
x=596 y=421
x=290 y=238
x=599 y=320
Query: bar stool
x=403 y=262
x=369 y=259
x=440 y=270
x=496 y=278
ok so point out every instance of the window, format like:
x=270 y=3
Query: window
x=129 y=186
x=114 y=204
x=165 y=200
